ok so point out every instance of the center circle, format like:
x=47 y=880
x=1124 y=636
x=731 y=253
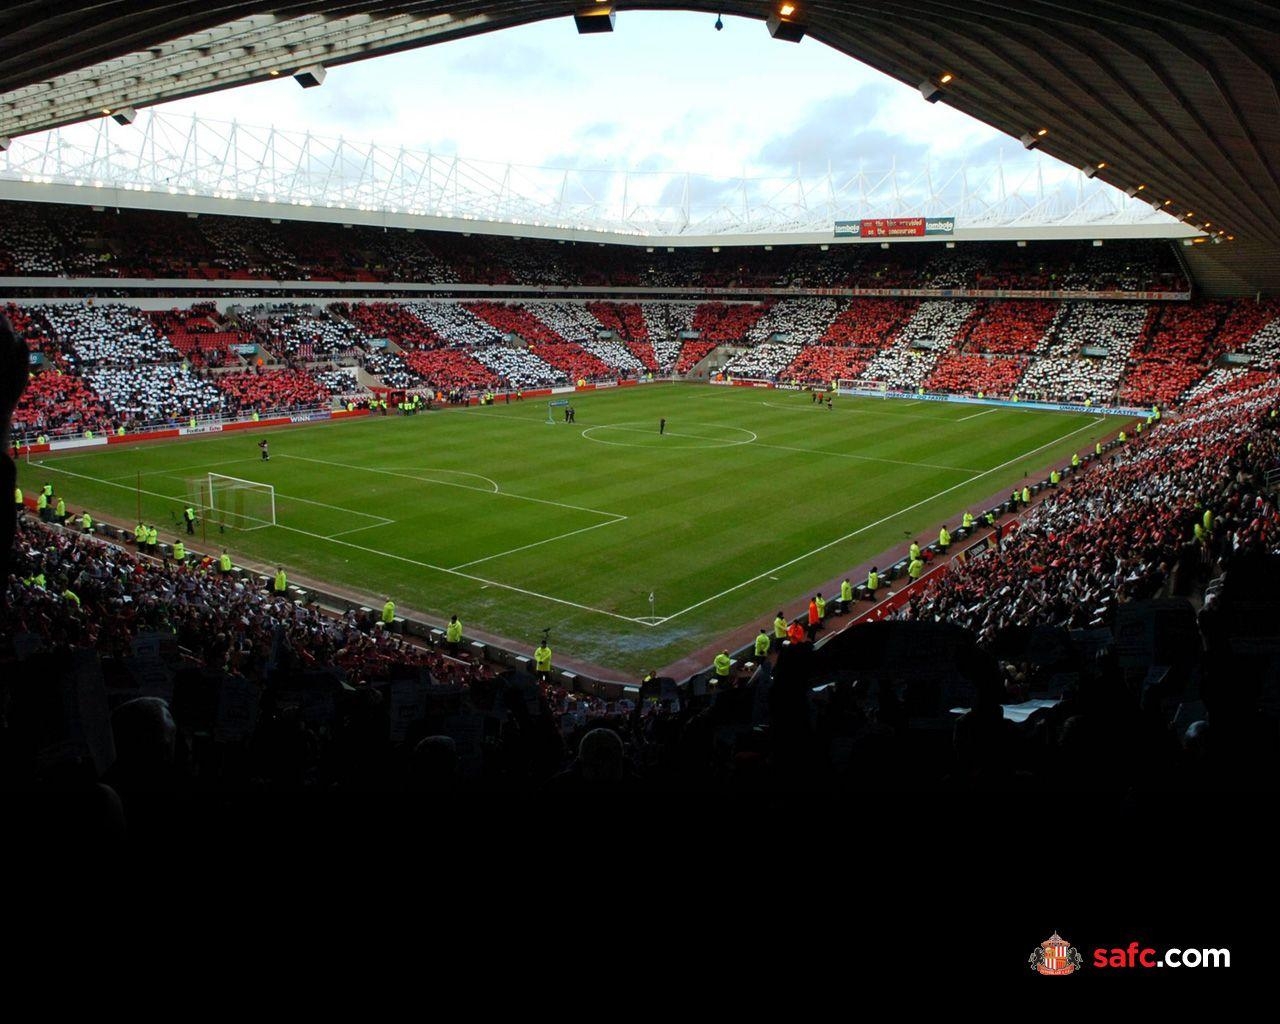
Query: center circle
x=637 y=435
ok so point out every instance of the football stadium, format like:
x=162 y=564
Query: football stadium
x=348 y=466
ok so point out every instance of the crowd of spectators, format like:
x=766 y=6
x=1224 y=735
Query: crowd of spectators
x=56 y=402
x=870 y=324
x=574 y=361
x=455 y=324
x=155 y=394
x=626 y=320
x=1264 y=345
x=391 y=368
x=392 y=321
x=306 y=335
x=572 y=321
x=519 y=367
x=970 y=374
x=514 y=319
x=67 y=240
x=799 y=320
x=340 y=381
x=765 y=361
x=826 y=363
x=451 y=369
x=1010 y=328
x=270 y=389
x=664 y=323
x=727 y=322
x=1137 y=352
x=692 y=352
x=106 y=335
x=929 y=333
x=1245 y=321
x=1130 y=529
x=1065 y=372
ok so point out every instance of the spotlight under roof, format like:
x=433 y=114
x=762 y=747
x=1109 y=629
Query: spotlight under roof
x=784 y=23
x=594 y=19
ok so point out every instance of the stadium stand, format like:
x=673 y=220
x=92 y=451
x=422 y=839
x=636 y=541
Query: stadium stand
x=391 y=369
x=392 y=321
x=975 y=374
x=763 y=362
x=722 y=322
x=270 y=389
x=802 y=321
x=822 y=364
x=68 y=240
x=55 y=402
x=447 y=370
x=107 y=335
x=1009 y=328
x=1124 y=532
x=1065 y=372
x=155 y=394
x=930 y=332
x=518 y=367
x=307 y=336
x=691 y=353
x=626 y=320
x=455 y=324
x=340 y=382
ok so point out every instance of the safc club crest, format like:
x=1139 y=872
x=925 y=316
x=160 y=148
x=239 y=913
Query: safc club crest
x=1055 y=956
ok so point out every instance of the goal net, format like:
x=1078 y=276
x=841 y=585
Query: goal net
x=232 y=503
x=866 y=387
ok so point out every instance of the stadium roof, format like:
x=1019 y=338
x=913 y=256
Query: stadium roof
x=1180 y=98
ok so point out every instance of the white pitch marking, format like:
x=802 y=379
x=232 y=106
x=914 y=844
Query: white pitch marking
x=466 y=576
x=806 y=409
x=537 y=543
x=865 y=458
x=893 y=515
x=357 y=529
x=387 y=554
x=182 y=469
x=493 y=484
x=755 y=439
x=445 y=483
x=382 y=520
x=718 y=442
x=975 y=415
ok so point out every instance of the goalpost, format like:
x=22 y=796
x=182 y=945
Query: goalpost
x=865 y=387
x=233 y=503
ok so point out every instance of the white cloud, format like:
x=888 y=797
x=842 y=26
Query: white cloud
x=664 y=89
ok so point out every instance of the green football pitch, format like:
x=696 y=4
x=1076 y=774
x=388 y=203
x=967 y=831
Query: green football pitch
x=748 y=502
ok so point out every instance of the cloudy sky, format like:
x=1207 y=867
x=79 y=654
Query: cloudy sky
x=663 y=92
x=662 y=96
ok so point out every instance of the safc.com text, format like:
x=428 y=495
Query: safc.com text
x=1140 y=956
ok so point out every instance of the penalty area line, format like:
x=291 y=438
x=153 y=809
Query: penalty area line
x=387 y=554
x=465 y=575
x=538 y=543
